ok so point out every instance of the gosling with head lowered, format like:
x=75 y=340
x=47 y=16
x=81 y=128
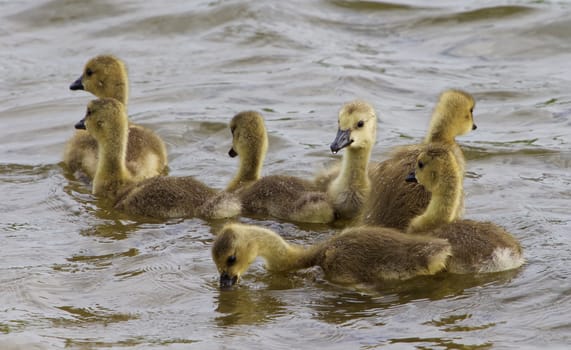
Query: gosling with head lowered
x=146 y=155
x=477 y=247
x=158 y=197
x=394 y=203
x=283 y=197
x=362 y=255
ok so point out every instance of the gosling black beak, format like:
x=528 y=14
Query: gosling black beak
x=77 y=85
x=342 y=140
x=80 y=124
x=232 y=153
x=474 y=127
x=226 y=281
x=411 y=177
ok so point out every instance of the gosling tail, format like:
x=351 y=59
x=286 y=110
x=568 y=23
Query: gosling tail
x=313 y=207
x=221 y=206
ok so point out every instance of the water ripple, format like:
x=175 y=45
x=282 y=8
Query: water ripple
x=189 y=22
x=482 y=14
x=57 y=12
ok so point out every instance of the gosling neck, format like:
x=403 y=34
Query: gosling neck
x=250 y=169
x=280 y=255
x=111 y=173
x=354 y=168
x=351 y=187
x=439 y=130
x=445 y=205
x=121 y=90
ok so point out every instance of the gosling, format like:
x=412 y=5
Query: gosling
x=357 y=133
x=363 y=255
x=283 y=197
x=106 y=76
x=394 y=203
x=159 y=197
x=477 y=247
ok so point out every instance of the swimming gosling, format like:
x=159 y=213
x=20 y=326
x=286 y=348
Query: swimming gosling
x=477 y=247
x=283 y=197
x=357 y=133
x=394 y=203
x=159 y=197
x=357 y=255
x=106 y=76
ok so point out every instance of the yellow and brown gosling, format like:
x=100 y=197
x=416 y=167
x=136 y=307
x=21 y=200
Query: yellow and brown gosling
x=394 y=203
x=362 y=255
x=357 y=133
x=283 y=197
x=159 y=197
x=146 y=155
x=477 y=247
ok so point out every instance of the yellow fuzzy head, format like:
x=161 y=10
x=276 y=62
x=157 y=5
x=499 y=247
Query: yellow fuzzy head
x=435 y=166
x=357 y=127
x=232 y=253
x=104 y=76
x=104 y=119
x=249 y=134
x=453 y=116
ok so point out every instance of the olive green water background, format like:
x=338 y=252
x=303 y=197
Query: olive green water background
x=76 y=275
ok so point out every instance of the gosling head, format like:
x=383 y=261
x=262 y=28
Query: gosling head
x=103 y=76
x=453 y=116
x=357 y=127
x=435 y=166
x=104 y=118
x=249 y=134
x=232 y=253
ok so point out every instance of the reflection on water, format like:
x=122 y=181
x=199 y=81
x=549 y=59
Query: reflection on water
x=243 y=306
x=75 y=273
x=77 y=316
x=393 y=293
x=441 y=343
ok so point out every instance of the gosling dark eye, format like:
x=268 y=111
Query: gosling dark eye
x=231 y=260
x=89 y=72
x=472 y=110
x=88 y=112
x=360 y=124
x=420 y=164
x=232 y=129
